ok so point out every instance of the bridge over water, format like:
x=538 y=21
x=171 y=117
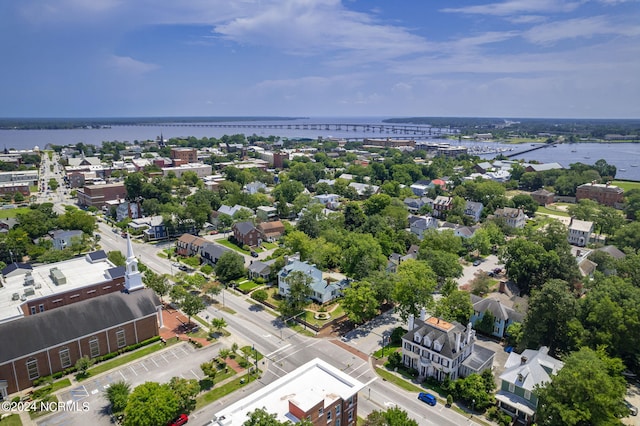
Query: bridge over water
x=381 y=129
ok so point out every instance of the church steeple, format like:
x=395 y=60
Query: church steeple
x=132 y=277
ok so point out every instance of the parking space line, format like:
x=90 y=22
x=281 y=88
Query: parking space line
x=154 y=361
x=132 y=370
x=123 y=376
x=145 y=367
x=197 y=377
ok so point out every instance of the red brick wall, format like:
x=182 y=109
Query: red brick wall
x=67 y=297
x=145 y=328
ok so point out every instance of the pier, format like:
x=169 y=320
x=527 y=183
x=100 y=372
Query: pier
x=535 y=148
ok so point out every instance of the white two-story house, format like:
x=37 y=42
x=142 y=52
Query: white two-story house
x=580 y=232
x=438 y=348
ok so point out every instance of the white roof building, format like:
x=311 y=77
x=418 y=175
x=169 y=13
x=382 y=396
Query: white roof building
x=315 y=387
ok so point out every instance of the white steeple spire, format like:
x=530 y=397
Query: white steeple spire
x=132 y=277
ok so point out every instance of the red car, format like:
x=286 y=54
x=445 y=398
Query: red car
x=179 y=421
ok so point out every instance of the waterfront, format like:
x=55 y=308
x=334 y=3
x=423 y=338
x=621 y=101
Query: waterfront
x=625 y=156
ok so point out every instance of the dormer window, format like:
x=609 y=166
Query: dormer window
x=427 y=341
x=417 y=338
x=437 y=346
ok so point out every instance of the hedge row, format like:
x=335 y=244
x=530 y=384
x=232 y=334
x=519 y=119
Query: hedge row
x=58 y=375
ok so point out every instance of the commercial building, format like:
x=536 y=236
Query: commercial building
x=316 y=391
x=98 y=195
x=184 y=155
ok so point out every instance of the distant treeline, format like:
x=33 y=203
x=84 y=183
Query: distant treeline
x=82 y=123
x=585 y=128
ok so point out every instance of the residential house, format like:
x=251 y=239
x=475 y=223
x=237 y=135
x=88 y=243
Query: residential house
x=62 y=239
x=231 y=210
x=210 y=252
x=189 y=245
x=421 y=188
x=499 y=175
x=396 y=259
x=415 y=204
x=254 y=187
x=259 y=269
x=153 y=227
x=606 y=194
x=323 y=291
x=422 y=224
x=585 y=266
x=542 y=196
x=465 y=231
x=7 y=224
x=580 y=232
x=473 y=209
x=503 y=315
x=440 y=349
x=266 y=213
x=317 y=391
x=364 y=190
x=441 y=205
x=514 y=218
x=247 y=234
x=271 y=231
x=330 y=201
x=523 y=373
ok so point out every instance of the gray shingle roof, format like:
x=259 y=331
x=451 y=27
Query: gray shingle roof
x=244 y=227
x=50 y=328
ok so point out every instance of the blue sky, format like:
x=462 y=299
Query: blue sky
x=320 y=58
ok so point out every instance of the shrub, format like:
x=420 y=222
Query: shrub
x=396 y=335
x=260 y=295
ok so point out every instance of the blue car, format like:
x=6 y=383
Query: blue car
x=508 y=349
x=427 y=397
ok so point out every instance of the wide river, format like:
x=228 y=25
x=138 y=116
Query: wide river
x=625 y=156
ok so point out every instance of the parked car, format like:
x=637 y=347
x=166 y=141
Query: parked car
x=179 y=421
x=633 y=410
x=183 y=268
x=254 y=254
x=476 y=262
x=428 y=398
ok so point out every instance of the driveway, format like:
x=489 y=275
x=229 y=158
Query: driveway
x=487 y=265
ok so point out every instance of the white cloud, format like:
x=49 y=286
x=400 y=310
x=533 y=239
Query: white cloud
x=526 y=19
x=552 y=32
x=307 y=27
x=514 y=7
x=129 y=65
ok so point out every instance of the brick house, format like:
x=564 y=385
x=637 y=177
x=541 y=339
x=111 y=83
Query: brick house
x=542 y=196
x=247 y=234
x=97 y=195
x=441 y=205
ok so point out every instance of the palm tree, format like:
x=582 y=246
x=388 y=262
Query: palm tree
x=118 y=394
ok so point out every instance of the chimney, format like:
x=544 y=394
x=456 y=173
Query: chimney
x=523 y=360
x=468 y=337
x=411 y=322
x=423 y=314
x=457 y=348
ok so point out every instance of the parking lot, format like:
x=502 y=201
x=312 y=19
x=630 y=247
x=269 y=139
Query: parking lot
x=159 y=367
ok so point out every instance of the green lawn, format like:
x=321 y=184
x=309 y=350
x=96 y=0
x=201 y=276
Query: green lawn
x=247 y=286
x=627 y=186
x=270 y=246
x=232 y=246
x=7 y=213
x=545 y=210
x=126 y=358
x=218 y=392
x=12 y=420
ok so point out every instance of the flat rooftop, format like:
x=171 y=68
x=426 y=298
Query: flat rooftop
x=306 y=386
x=439 y=323
x=79 y=272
